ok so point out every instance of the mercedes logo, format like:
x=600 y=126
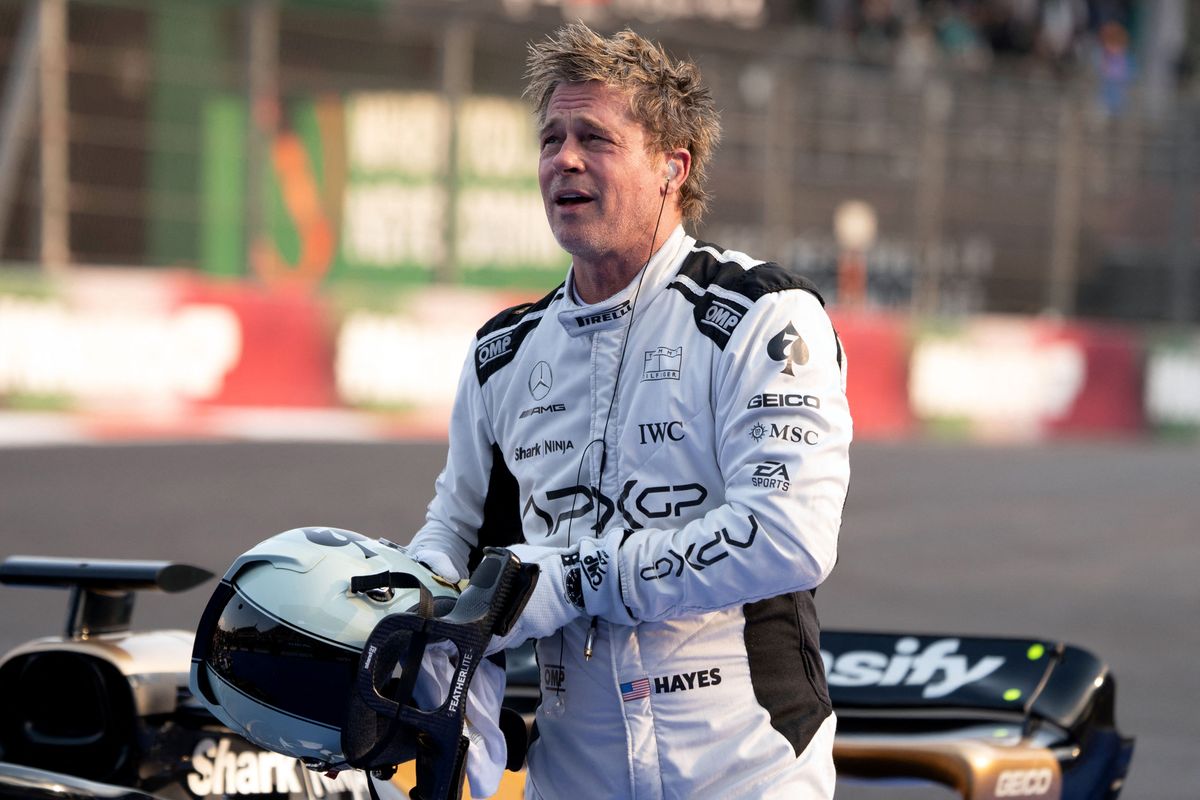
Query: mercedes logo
x=540 y=380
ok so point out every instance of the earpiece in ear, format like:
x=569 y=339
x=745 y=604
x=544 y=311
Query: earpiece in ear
x=672 y=171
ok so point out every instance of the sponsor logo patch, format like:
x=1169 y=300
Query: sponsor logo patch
x=541 y=380
x=554 y=678
x=605 y=315
x=784 y=433
x=787 y=346
x=553 y=408
x=662 y=364
x=654 y=432
x=491 y=350
x=771 y=475
x=543 y=448
x=784 y=401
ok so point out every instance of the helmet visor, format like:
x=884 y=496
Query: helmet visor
x=281 y=666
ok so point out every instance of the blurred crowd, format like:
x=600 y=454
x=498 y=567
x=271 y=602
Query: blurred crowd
x=1103 y=39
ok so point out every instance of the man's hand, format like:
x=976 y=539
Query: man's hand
x=556 y=600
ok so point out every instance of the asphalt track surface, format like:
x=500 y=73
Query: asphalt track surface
x=1094 y=543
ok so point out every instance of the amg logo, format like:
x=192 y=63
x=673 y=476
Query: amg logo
x=661 y=431
x=493 y=349
x=784 y=401
x=688 y=680
x=771 y=475
x=608 y=314
x=722 y=317
x=553 y=408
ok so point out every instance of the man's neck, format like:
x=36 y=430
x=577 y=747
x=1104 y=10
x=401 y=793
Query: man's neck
x=596 y=280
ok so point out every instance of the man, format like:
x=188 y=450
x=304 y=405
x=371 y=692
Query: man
x=666 y=435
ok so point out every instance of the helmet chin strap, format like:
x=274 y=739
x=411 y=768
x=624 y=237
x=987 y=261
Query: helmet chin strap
x=384 y=727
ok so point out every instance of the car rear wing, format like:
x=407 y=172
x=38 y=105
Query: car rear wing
x=102 y=589
x=990 y=717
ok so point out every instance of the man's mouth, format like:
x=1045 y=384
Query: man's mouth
x=562 y=199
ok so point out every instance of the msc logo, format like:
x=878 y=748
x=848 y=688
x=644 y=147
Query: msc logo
x=722 y=317
x=786 y=433
x=662 y=364
x=788 y=347
x=771 y=475
x=490 y=351
x=653 y=432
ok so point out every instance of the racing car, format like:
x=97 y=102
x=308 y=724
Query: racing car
x=102 y=711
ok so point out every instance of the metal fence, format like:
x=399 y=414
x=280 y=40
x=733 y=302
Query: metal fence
x=383 y=141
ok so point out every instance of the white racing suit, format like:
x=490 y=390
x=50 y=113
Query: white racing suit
x=705 y=461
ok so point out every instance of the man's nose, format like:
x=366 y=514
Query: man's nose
x=568 y=158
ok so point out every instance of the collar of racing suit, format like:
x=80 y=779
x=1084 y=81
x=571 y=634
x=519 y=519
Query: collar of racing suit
x=580 y=318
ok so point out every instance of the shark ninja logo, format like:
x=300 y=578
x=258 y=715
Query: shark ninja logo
x=788 y=347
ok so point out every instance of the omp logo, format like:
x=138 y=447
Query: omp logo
x=489 y=351
x=688 y=680
x=939 y=668
x=653 y=432
x=554 y=677
x=607 y=315
x=218 y=770
x=722 y=317
x=1025 y=782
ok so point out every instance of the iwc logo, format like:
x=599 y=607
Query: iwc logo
x=541 y=380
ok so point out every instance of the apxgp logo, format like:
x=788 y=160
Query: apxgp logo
x=787 y=346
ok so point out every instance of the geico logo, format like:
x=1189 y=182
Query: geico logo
x=1024 y=782
x=784 y=401
x=722 y=317
x=938 y=668
x=219 y=770
x=553 y=408
x=493 y=349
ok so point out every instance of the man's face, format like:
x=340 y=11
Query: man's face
x=601 y=189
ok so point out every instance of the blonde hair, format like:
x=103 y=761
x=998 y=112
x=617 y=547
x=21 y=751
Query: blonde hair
x=666 y=95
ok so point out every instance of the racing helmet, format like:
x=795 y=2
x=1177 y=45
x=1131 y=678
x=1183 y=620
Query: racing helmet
x=278 y=645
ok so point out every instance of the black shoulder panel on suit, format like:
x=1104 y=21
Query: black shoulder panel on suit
x=500 y=336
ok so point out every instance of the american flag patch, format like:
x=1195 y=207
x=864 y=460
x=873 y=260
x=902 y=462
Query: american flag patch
x=635 y=690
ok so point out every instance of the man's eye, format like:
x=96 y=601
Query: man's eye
x=549 y=140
